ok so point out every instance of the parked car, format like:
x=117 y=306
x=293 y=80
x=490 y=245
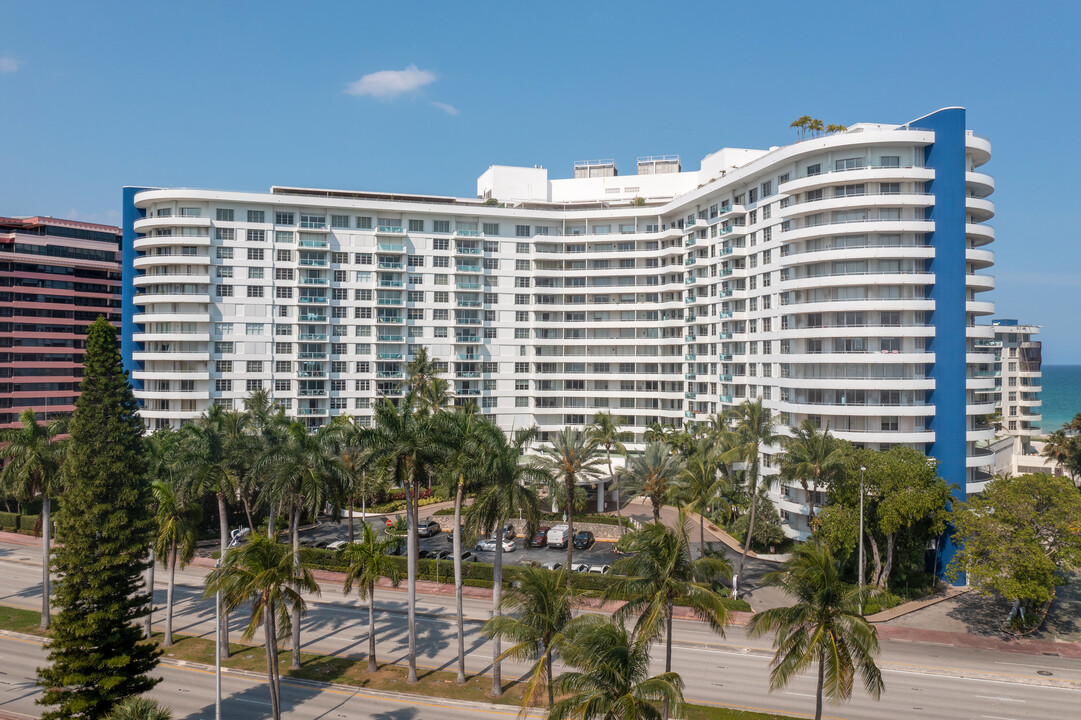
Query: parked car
x=425 y=554
x=540 y=538
x=558 y=536
x=580 y=568
x=583 y=540
x=450 y=534
x=489 y=545
x=428 y=528
x=600 y=569
x=338 y=545
x=467 y=555
x=526 y=562
x=509 y=533
x=552 y=566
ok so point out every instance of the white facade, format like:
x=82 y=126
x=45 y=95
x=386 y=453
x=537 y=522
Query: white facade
x=798 y=275
x=1016 y=366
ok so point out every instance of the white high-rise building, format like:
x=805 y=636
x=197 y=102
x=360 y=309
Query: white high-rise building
x=835 y=278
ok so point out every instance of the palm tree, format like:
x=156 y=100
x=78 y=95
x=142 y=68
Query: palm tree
x=812 y=455
x=833 y=128
x=534 y=615
x=178 y=527
x=824 y=626
x=35 y=459
x=800 y=125
x=652 y=474
x=369 y=560
x=435 y=396
x=755 y=427
x=815 y=127
x=605 y=433
x=572 y=456
x=419 y=373
x=209 y=469
x=401 y=443
x=140 y=708
x=1057 y=447
x=266 y=423
x=505 y=493
x=308 y=471
x=702 y=484
x=662 y=572
x=262 y=572
x=463 y=435
x=611 y=680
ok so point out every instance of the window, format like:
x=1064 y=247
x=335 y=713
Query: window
x=225 y=253
x=339 y=221
x=224 y=366
x=253 y=385
x=224 y=271
x=339 y=294
x=223 y=328
x=255 y=235
x=416 y=280
x=414 y=314
x=521 y=248
x=339 y=276
x=283 y=293
x=255 y=291
x=490 y=333
x=190 y=212
x=521 y=316
x=255 y=273
x=223 y=215
x=254 y=366
x=439 y=279
x=284 y=218
x=363 y=258
x=283 y=330
x=491 y=228
x=521 y=333
x=767 y=188
x=441 y=332
x=364 y=223
x=521 y=367
x=225 y=233
x=310 y=221
x=441 y=244
x=441 y=296
x=223 y=385
x=283 y=236
x=893 y=188
x=521 y=299
x=848 y=164
x=415 y=296
x=223 y=347
x=255 y=253
x=491 y=264
x=256 y=216
x=440 y=262
x=415 y=261
x=890 y=161
x=363 y=295
x=284 y=256
x=253 y=329
x=815 y=169
x=521 y=230
x=416 y=226
x=283 y=348
x=441 y=226
x=224 y=290
x=339 y=258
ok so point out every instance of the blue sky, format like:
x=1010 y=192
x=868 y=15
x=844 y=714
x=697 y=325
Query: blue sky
x=241 y=96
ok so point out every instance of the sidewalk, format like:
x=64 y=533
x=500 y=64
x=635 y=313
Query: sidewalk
x=670 y=516
x=912 y=606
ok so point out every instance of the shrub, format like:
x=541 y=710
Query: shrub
x=30 y=523
x=9 y=521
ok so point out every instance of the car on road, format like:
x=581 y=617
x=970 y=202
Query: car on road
x=559 y=536
x=583 y=540
x=428 y=527
x=540 y=538
x=489 y=545
x=552 y=566
x=600 y=569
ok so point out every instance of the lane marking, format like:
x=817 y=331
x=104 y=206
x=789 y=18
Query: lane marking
x=1000 y=699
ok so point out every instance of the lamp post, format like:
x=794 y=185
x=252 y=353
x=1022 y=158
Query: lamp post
x=236 y=534
x=862 y=471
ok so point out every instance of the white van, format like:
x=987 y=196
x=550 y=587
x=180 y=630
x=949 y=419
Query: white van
x=559 y=536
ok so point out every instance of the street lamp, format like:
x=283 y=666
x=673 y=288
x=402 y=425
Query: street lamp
x=236 y=535
x=862 y=471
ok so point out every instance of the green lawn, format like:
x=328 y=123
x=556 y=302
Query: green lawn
x=354 y=671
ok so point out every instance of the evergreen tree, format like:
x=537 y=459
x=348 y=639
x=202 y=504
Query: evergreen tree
x=97 y=656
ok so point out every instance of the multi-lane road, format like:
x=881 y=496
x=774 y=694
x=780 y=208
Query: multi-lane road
x=922 y=681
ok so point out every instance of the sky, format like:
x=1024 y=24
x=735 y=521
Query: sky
x=423 y=97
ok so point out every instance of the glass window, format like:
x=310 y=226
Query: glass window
x=284 y=218
x=256 y=216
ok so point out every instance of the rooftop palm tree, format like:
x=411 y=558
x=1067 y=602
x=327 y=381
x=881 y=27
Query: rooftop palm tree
x=178 y=526
x=307 y=471
x=824 y=626
x=702 y=483
x=605 y=433
x=533 y=617
x=35 y=457
x=571 y=457
x=660 y=572
x=368 y=560
x=815 y=456
x=611 y=678
x=653 y=474
x=755 y=427
x=800 y=125
x=262 y=572
x=506 y=492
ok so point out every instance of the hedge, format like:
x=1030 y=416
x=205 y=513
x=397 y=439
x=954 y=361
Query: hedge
x=28 y=522
x=9 y=521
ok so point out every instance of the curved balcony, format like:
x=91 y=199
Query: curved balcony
x=979 y=184
x=152 y=298
x=170 y=337
x=144 y=318
x=855 y=176
x=847 y=383
x=865 y=200
x=847 y=331
x=149 y=224
x=979 y=235
x=876 y=436
x=850 y=410
x=980 y=308
x=145 y=243
x=979 y=457
x=859 y=227
x=862 y=252
x=854 y=305
x=147 y=414
x=978 y=148
x=981 y=209
x=856 y=279
x=875 y=358
x=983 y=408
x=167 y=279
x=149 y=261
x=150 y=355
x=980 y=258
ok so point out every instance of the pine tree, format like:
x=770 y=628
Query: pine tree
x=96 y=654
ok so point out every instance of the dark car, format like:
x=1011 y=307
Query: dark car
x=426 y=554
x=428 y=528
x=583 y=540
x=450 y=534
x=540 y=538
x=467 y=556
x=509 y=533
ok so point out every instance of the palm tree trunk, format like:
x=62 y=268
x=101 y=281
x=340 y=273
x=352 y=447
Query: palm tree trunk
x=458 y=613
x=270 y=640
x=272 y=519
x=667 y=653
x=411 y=580
x=615 y=492
x=247 y=511
x=702 y=532
x=497 y=597
x=373 y=666
x=750 y=521
x=169 y=597
x=551 y=690
x=818 y=692
x=46 y=551
x=295 y=660
x=223 y=526
x=148 y=622
x=351 y=530
x=570 y=528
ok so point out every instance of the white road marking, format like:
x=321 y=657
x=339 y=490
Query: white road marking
x=1038 y=667
x=788 y=692
x=1000 y=699
x=253 y=702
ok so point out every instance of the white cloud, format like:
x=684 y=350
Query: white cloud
x=445 y=107
x=9 y=64
x=389 y=84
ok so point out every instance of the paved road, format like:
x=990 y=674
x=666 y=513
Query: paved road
x=923 y=681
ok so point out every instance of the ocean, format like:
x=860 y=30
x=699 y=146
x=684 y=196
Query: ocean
x=1061 y=395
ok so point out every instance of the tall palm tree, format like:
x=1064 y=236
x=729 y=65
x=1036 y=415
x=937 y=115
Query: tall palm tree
x=611 y=678
x=419 y=373
x=661 y=572
x=824 y=626
x=811 y=455
x=435 y=396
x=507 y=491
x=571 y=457
x=307 y=471
x=209 y=470
x=463 y=435
x=140 y=708
x=368 y=560
x=1057 y=447
x=401 y=443
x=267 y=424
x=178 y=529
x=533 y=617
x=652 y=474
x=262 y=572
x=35 y=457
x=702 y=484
x=605 y=433
x=755 y=427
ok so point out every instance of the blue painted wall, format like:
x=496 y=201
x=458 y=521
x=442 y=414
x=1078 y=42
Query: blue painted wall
x=127 y=324
x=947 y=156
